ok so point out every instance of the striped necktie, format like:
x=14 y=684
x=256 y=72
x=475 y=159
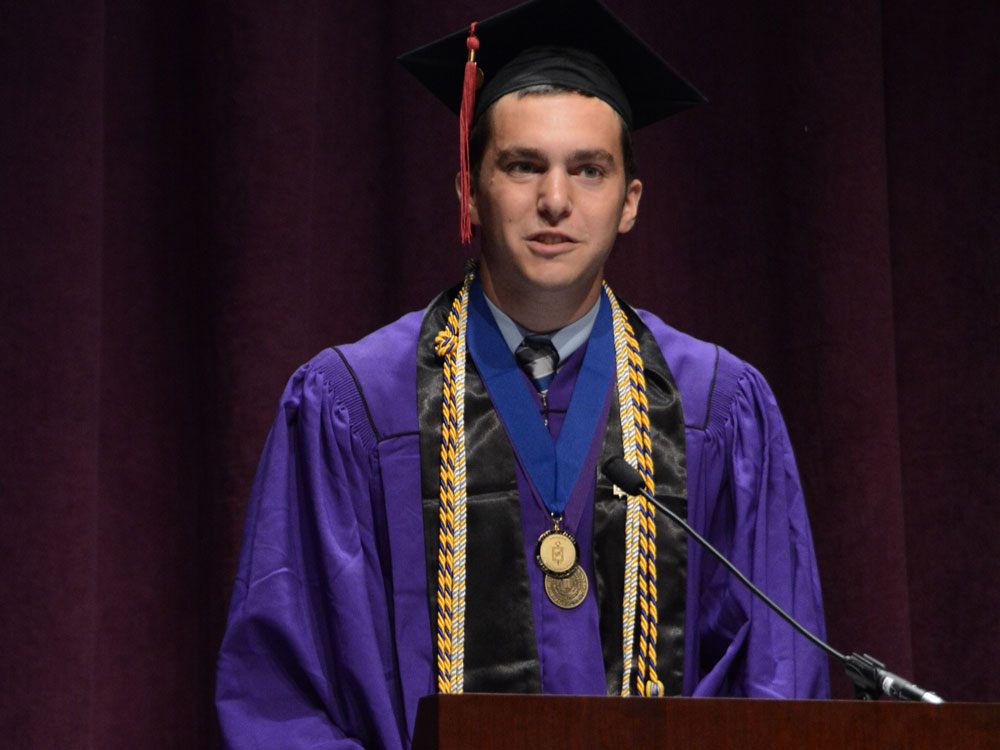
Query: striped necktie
x=538 y=358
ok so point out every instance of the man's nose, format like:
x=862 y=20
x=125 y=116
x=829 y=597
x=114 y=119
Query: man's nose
x=554 y=195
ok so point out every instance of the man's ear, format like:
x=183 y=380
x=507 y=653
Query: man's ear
x=631 y=208
x=473 y=212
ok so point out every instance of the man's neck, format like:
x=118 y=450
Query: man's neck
x=544 y=311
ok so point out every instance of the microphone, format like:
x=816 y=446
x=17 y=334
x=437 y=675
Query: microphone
x=870 y=676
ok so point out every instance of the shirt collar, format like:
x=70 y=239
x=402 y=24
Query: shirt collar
x=566 y=340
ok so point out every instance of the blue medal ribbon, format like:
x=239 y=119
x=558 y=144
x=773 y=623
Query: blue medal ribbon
x=552 y=466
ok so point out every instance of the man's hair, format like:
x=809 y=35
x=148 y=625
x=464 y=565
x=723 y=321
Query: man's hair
x=482 y=131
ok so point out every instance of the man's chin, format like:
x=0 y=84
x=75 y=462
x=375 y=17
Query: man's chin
x=556 y=283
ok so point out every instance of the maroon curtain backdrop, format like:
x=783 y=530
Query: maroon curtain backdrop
x=199 y=196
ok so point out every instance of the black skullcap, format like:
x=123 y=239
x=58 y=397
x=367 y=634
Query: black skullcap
x=562 y=66
x=579 y=44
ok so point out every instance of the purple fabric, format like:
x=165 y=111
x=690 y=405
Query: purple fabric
x=745 y=497
x=328 y=642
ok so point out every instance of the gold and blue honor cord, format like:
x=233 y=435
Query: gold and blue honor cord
x=450 y=344
x=640 y=529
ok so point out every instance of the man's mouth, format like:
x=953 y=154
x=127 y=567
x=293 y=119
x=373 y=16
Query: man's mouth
x=550 y=238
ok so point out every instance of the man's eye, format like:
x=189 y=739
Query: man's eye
x=591 y=172
x=521 y=167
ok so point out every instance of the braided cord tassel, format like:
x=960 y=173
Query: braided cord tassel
x=450 y=344
x=649 y=684
x=640 y=533
x=625 y=407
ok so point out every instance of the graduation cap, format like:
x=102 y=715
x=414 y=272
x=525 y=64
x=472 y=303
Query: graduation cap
x=577 y=44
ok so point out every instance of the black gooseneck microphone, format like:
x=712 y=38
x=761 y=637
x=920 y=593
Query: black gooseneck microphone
x=870 y=676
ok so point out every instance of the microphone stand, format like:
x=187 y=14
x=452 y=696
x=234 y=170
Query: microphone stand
x=870 y=677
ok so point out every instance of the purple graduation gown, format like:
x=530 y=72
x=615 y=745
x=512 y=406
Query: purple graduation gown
x=328 y=643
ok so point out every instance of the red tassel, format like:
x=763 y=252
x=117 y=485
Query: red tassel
x=464 y=123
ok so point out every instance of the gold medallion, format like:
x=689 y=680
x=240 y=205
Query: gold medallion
x=556 y=553
x=568 y=592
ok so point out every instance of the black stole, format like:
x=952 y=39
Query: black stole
x=500 y=649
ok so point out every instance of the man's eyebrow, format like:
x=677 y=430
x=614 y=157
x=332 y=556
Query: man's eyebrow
x=593 y=154
x=520 y=152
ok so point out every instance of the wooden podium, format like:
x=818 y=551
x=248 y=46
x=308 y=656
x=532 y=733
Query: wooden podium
x=479 y=721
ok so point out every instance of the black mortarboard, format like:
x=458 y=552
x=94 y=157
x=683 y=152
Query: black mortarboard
x=614 y=65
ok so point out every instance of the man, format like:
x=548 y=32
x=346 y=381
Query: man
x=428 y=515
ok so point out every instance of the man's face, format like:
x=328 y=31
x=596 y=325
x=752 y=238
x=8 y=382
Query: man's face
x=550 y=200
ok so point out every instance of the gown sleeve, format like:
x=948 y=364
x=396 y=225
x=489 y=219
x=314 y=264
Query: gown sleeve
x=751 y=507
x=306 y=660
